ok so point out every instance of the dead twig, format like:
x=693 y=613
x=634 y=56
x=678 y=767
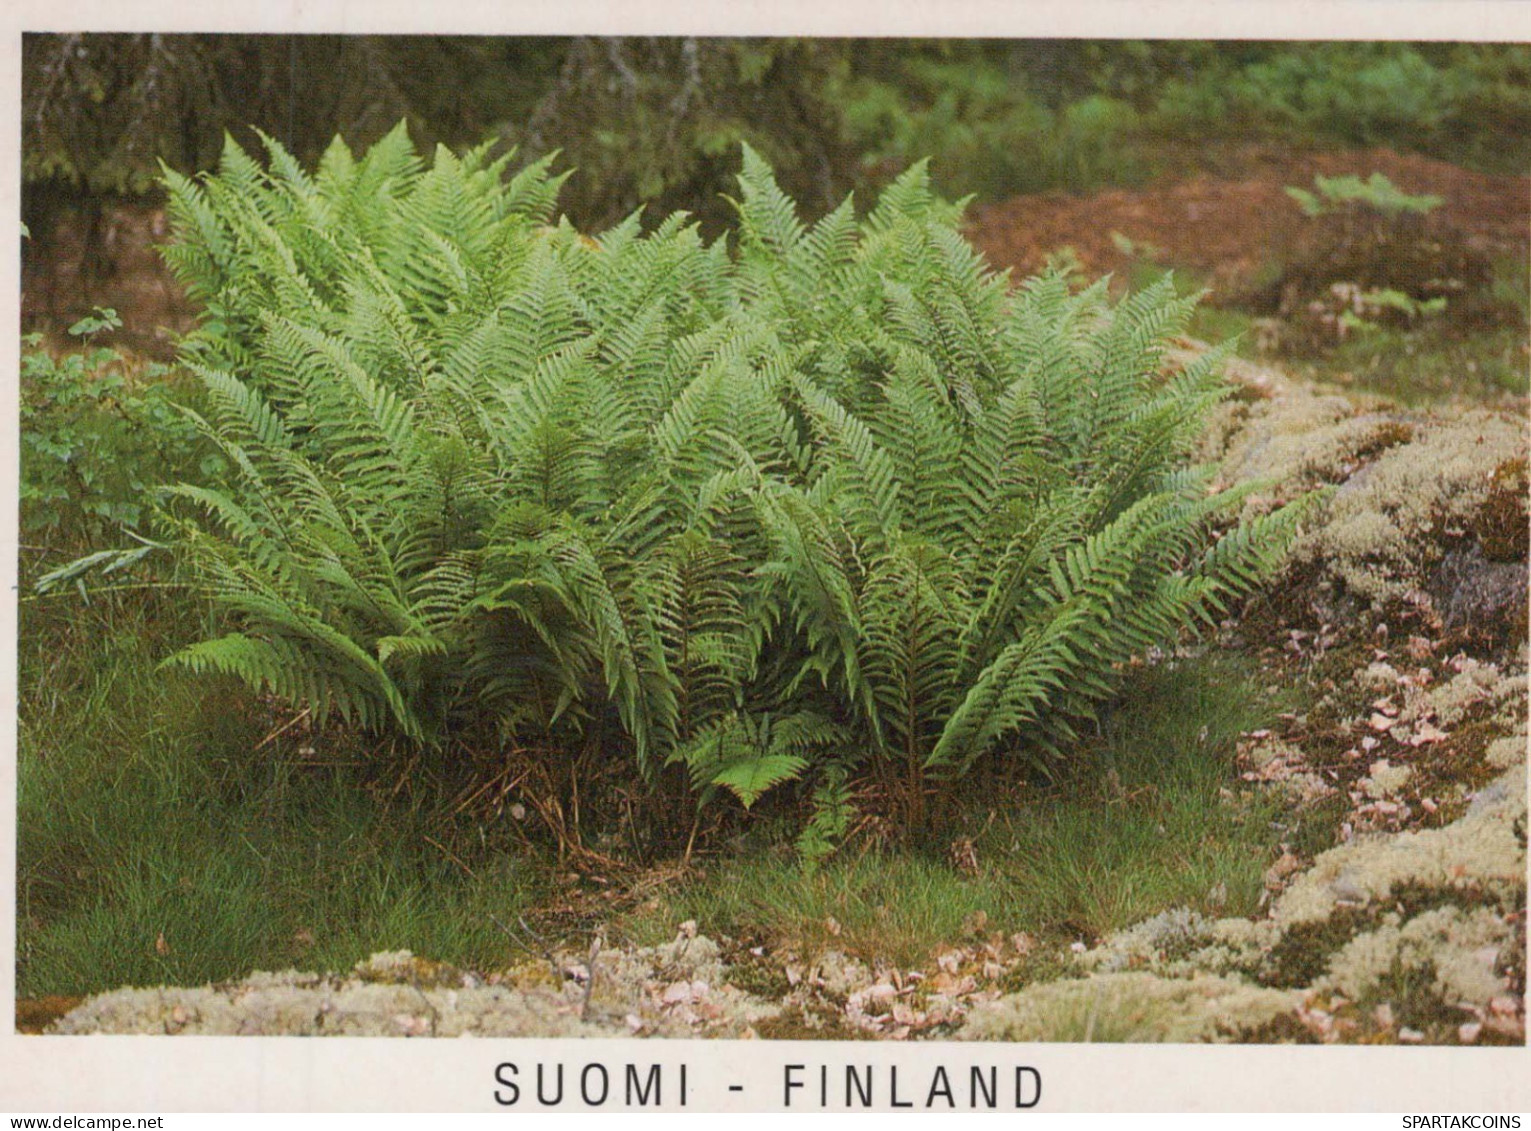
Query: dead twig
x=284 y=728
x=450 y=855
x=595 y=952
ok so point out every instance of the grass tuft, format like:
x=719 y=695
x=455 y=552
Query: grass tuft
x=159 y=845
x=1144 y=820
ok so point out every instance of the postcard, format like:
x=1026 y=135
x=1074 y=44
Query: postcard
x=811 y=559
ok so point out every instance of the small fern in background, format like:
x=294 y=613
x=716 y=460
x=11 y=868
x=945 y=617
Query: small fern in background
x=837 y=501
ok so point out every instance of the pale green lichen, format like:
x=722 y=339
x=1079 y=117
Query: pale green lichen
x=396 y=994
x=1464 y=951
x=1181 y=943
x=1481 y=850
x=1137 y=1006
x=1503 y=753
x=1385 y=779
x=1407 y=483
x=1385 y=525
x=1476 y=683
x=1379 y=677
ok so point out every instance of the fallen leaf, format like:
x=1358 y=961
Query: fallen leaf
x=1504 y=1006
x=412 y=1026
x=1284 y=866
x=1426 y=732
x=161 y=947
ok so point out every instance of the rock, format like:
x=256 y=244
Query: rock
x=1480 y=597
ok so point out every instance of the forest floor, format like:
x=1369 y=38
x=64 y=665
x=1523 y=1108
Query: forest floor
x=1343 y=859
x=1229 y=222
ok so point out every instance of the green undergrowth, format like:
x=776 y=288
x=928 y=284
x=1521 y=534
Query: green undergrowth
x=1434 y=361
x=159 y=845
x=1146 y=818
x=1424 y=365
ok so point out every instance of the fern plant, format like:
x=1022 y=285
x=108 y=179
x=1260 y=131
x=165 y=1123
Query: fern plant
x=833 y=497
x=996 y=510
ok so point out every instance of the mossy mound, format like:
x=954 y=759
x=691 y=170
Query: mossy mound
x=1425 y=920
x=675 y=990
x=1411 y=491
x=1137 y=1007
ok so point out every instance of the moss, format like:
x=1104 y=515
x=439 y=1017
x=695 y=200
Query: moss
x=1301 y=955
x=1047 y=961
x=1282 y=1029
x=1411 y=900
x=1387 y=434
x=799 y=1023
x=757 y=975
x=392 y=968
x=1410 y=990
x=1317 y=826
x=1457 y=767
x=1501 y=523
x=34 y=1015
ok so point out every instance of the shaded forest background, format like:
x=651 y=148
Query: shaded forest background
x=657 y=122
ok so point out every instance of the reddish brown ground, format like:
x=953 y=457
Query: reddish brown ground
x=1226 y=225
x=132 y=279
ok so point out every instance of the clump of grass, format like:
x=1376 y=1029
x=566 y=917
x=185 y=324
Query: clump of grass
x=158 y=845
x=1148 y=818
x=1141 y=822
x=881 y=906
